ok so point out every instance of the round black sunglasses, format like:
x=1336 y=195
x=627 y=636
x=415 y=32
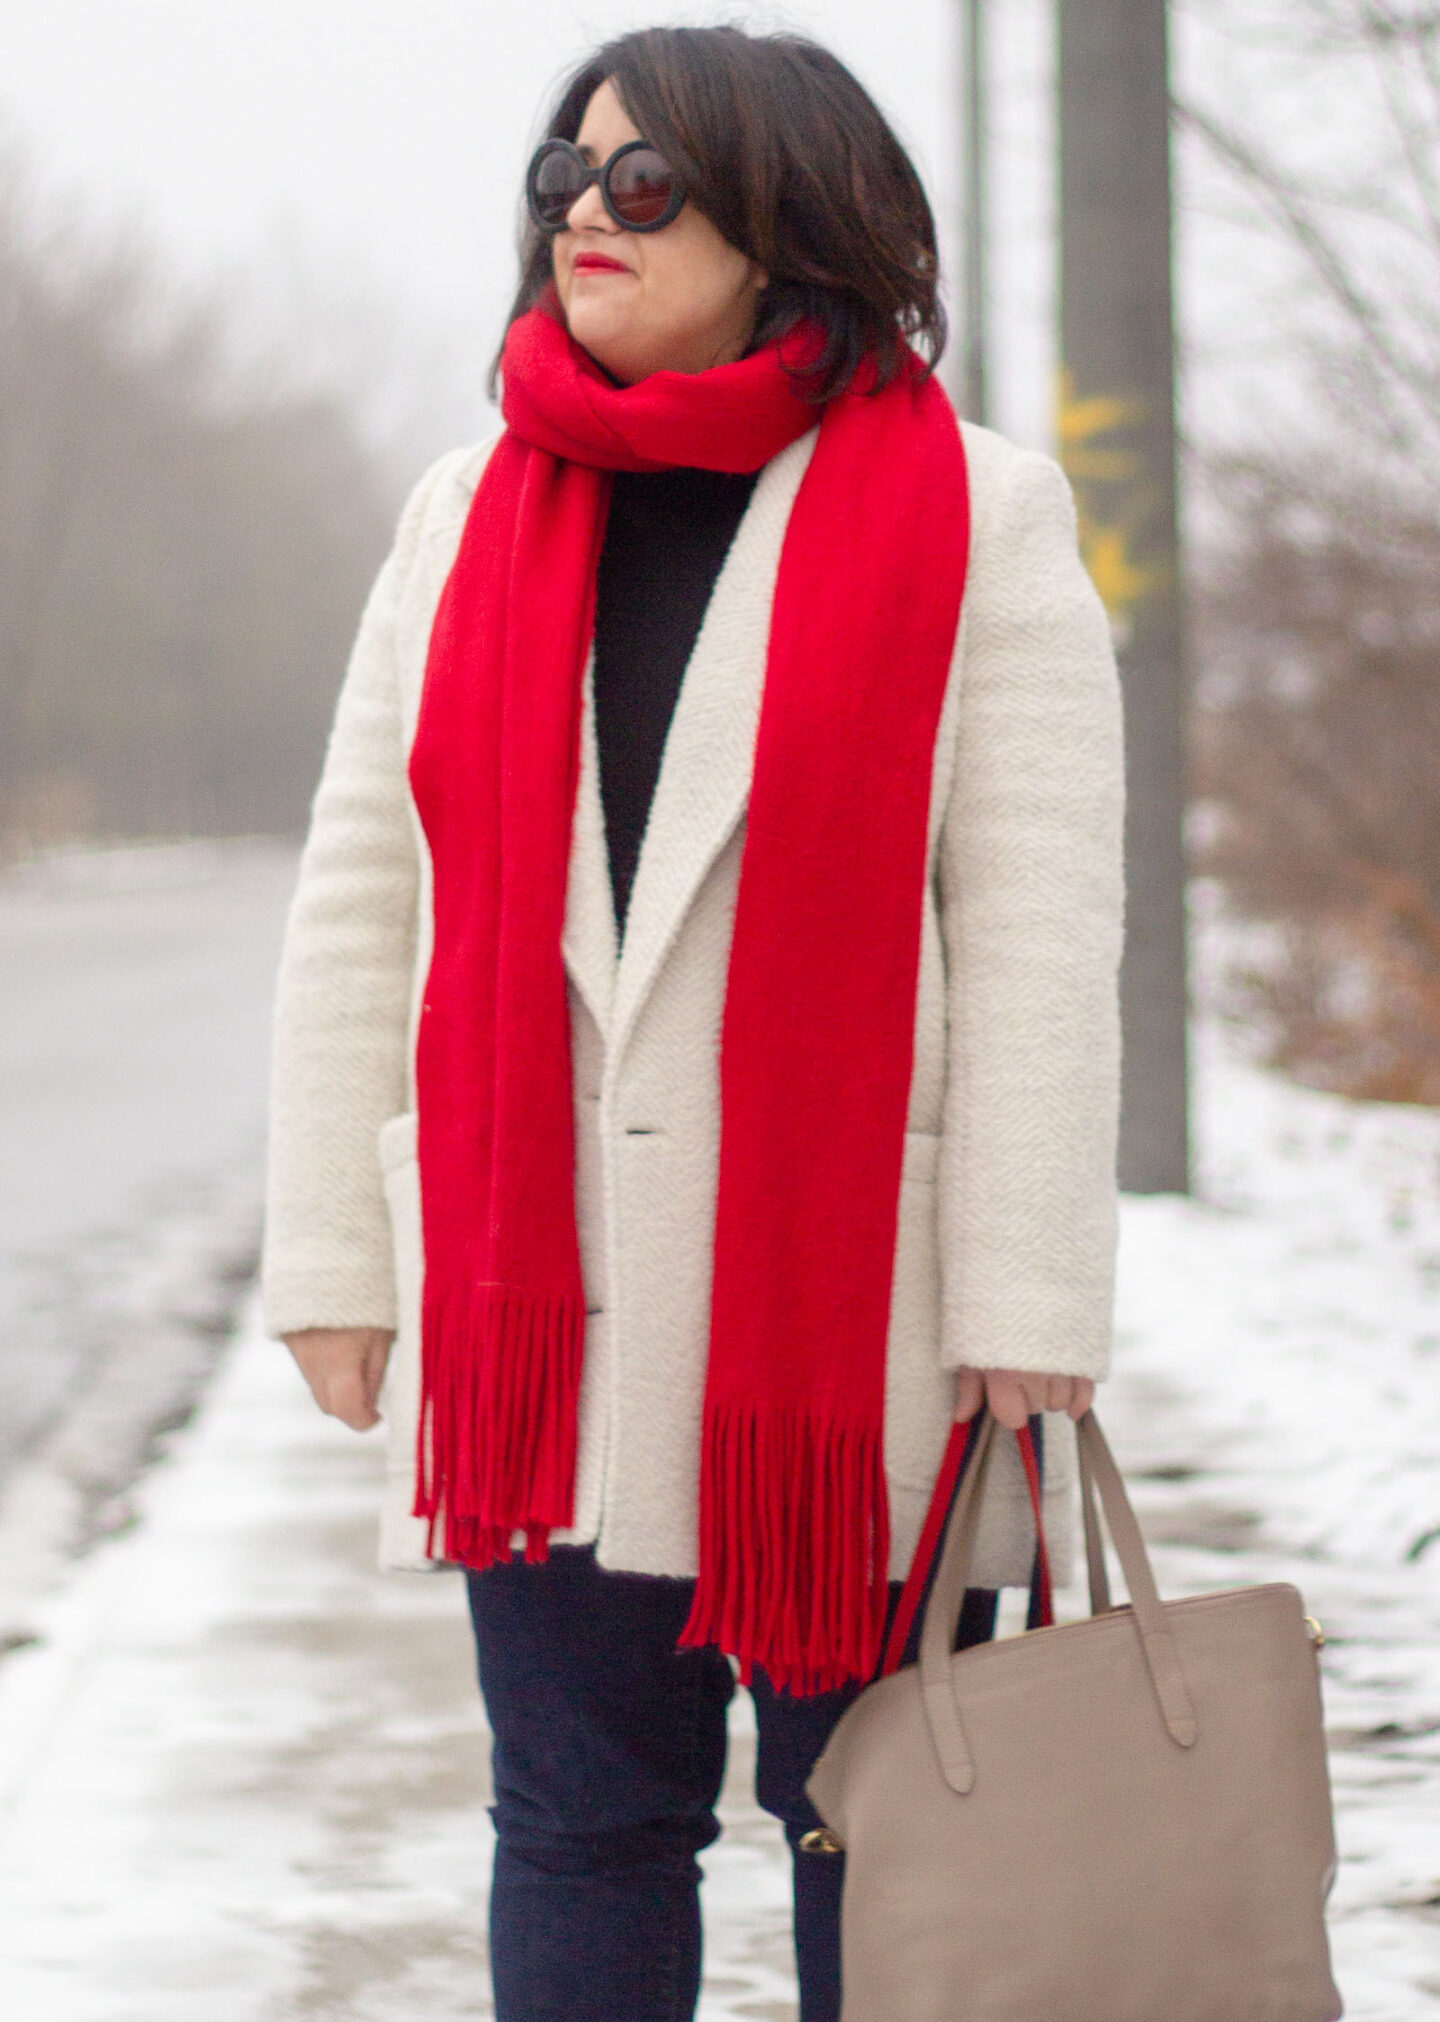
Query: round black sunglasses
x=638 y=187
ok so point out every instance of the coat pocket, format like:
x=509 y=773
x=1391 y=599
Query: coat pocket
x=922 y=1157
x=403 y=1537
x=400 y=1396
x=919 y=1396
x=397 y=1142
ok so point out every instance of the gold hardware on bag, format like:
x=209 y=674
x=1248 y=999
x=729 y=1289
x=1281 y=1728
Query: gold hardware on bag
x=822 y=1840
x=1317 y=1634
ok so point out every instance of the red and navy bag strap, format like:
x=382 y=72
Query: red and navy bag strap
x=916 y=1590
x=1031 y=1441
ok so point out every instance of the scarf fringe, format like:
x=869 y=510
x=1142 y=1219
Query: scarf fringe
x=794 y=1547
x=496 y=1447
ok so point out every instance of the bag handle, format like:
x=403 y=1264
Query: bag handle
x=932 y=1536
x=942 y=1616
x=1162 y=1658
x=1097 y=1572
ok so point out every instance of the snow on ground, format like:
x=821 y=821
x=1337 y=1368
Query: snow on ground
x=242 y=1777
x=1277 y=1410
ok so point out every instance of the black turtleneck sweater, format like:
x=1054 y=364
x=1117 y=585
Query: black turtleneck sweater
x=667 y=534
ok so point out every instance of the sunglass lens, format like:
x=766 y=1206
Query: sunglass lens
x=557 y=185
x=642 y=186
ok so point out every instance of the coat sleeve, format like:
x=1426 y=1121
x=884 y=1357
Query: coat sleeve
x=1031 y=903
x=338 y=1059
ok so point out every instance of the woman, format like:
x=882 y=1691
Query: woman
x=711 y=911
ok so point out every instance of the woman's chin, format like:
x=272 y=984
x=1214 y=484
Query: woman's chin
x=623 y=360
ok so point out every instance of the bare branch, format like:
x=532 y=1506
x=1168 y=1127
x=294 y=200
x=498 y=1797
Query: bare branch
x=1385 y=29
x=1292 y=206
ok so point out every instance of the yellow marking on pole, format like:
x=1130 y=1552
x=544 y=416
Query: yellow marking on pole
x=1105 y=545
x=1082 y=420
x=1122 y=583
x=1101 y=466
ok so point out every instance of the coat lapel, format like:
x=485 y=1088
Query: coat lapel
x=705 y=771
x=588 y=940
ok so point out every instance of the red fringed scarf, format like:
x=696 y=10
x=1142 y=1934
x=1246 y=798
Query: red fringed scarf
x=820 y=1001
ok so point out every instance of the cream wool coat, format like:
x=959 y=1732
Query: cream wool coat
x=1006 y=1236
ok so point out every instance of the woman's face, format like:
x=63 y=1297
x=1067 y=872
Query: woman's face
x=676 y=300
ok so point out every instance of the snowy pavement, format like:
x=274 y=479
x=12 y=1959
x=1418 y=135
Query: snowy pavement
x=243 y=1776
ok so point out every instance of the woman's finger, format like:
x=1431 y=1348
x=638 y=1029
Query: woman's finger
x=1004 y=1390
x=1031 y=1391
x=1017 y=1394
x=347 y=1399
x=377 y=1354
x=969 y=1392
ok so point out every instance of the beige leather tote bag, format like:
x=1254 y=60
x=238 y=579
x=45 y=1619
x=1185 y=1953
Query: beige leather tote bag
x=1125 y=1819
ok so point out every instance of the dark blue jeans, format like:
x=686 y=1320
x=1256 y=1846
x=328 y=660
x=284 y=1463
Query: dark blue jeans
x=609 y=1753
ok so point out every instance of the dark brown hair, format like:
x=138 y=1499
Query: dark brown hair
x=791 y=159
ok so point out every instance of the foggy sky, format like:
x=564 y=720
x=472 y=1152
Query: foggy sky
x=379 y=144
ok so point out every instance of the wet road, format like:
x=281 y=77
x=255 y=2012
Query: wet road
x=134 y=1003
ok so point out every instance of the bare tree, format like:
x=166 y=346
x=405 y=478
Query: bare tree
x=1336 y=159
x=181 y=561
x=1318 y=618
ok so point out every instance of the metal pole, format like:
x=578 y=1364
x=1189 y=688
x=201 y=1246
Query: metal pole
x=1117 y=439
x=974 y=395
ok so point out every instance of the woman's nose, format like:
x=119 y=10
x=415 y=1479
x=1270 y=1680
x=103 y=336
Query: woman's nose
x=588 y=212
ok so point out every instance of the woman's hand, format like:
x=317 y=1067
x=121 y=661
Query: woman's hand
x=344 y=1366
x=1014 y=1394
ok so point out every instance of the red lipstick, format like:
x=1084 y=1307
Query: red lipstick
x=598 y=263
